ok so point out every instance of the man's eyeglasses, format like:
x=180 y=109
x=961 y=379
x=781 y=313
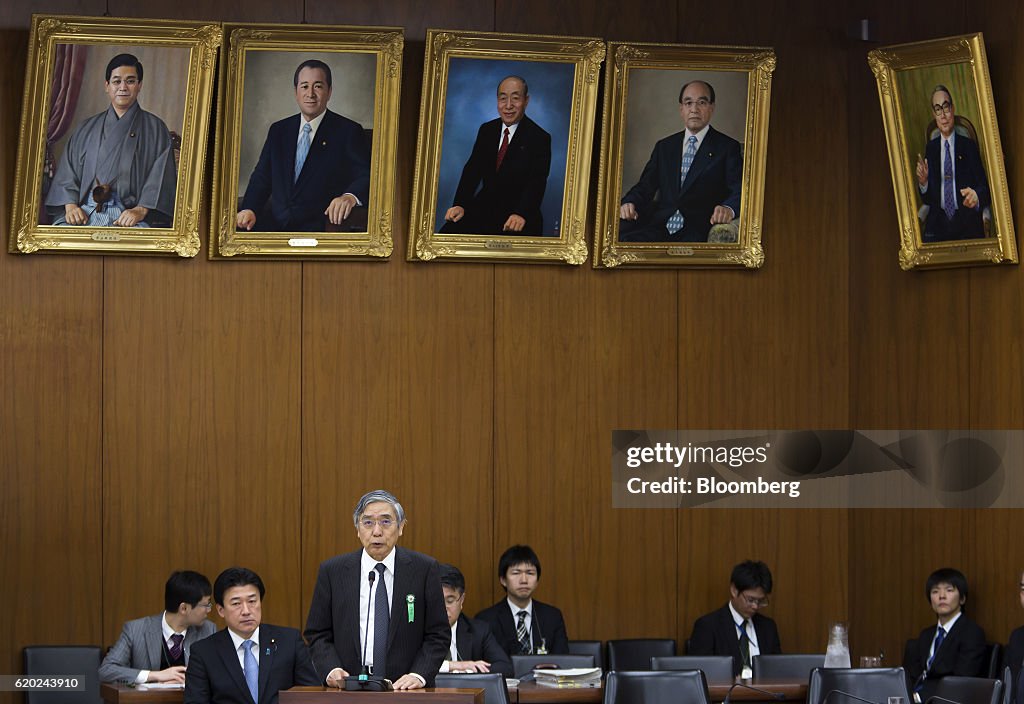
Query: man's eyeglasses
x=384 y=523
x=700 y=103
x=944 y=109
x=754 y=601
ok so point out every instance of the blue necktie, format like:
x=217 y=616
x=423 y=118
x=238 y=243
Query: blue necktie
x=381 y=622
x=252 y=670
x=940 y=635
x=948 y=198
x=675 y=223
x=302 y=151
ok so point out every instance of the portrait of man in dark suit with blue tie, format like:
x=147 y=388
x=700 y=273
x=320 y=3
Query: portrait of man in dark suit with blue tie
x=951 y=178
x=693 y=179
x=314 y=168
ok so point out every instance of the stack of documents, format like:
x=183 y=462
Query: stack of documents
x=577 y=677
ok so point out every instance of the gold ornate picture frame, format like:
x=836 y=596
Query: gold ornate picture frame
x=940 y=228
x=261 y=97
x=153 y=177
x=727 y=100
x=529 y=204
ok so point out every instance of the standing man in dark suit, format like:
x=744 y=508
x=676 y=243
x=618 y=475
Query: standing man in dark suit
x=473 y=648
x=954 y=646
x=314 y=165
x=738 y=628
x=156 y=648
x=952 y=181
x=693 y=180
x=383 y=601
x=248 y=662
x=1013 y=656
x=523 y=625
x=503 y=182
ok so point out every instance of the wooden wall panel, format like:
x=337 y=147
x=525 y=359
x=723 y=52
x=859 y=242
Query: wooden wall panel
x=201 y=420
x=589 y=18
x=414 y=15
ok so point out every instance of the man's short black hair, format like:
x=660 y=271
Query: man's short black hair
x=185 y=586
x=526 y=87
x=711 y=90
x=124 y=60
x=518 y=555
x=943 y=89
x=236 y=577
x=949 y=576
x=313 y=63
x=452 y=578
x=751 y=574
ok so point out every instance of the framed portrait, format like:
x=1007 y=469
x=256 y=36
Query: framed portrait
x=113 y=135
x=681 y=180
x=945 y=155
x=505 y=142
x=306 y=142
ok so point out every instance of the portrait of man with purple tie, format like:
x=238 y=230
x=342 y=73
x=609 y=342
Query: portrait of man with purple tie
x=692 y=180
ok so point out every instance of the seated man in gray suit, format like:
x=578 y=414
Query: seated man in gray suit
x=156 y=648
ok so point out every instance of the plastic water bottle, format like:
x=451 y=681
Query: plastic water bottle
x=837 y=653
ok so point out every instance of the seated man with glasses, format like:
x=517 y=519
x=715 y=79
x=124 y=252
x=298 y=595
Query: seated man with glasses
x=738 y=628
x=951 y=178
x=156 y=648
x=378 y=611
x=693 y=180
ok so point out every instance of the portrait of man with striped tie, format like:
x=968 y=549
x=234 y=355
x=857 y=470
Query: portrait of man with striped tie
x=693 y=179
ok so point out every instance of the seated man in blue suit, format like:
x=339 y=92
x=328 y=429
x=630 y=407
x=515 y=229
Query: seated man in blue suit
x=692 y=181
x=156 y=648
x=314 y=167
x=523 y=625
x=738 y=628
x=248 y=662
x=473 y=647
x=951 y=178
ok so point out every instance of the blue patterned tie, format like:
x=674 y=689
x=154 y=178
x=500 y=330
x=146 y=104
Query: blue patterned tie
x=381 y=622
x=302 y=151
x=948 y=199
x=675 y=223
x=252 y=670
x=940 y=635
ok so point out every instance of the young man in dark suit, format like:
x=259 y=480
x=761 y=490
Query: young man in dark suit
x=953 y=646
x=738 y=628
x=383 y=601
x=523 y=625
x=473 y=647
x=248 y=662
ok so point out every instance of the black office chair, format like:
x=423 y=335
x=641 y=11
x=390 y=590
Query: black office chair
x=588 y=647
x=968 y=690
x=1007 y=685
x=781 y=668
x=716 y=668
x=79 y=661
x=656 y=687
x=493 y=684
x=874 y=684
x=636 y=653
x=993 y=659
x=523 y=665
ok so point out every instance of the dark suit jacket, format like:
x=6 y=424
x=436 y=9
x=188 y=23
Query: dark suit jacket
x=215 y=675
x=489 y=196
x=547 y=627
x=1013 y=657
x=969 y=173
x=338 y=163
x=962 y=653
x=716 y=634
x=714 y=178
x=474 y=641
x=332 y=628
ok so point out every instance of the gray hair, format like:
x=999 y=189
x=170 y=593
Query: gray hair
x=378 y=496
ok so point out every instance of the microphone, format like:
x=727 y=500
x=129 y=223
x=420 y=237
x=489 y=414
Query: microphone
x=778 y=696
x=365 y=682
x=824 y=699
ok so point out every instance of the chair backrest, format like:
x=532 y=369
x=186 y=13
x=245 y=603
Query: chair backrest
x=786 y=667
x=716 y=668
x=994 y=658
x=525 y=664
x=493 y=684
x=636 y=653
x=588 y=647
x=1007 y=685
x=656 y=687
x=875 y=684
x=81 y=661
x=971 y=690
